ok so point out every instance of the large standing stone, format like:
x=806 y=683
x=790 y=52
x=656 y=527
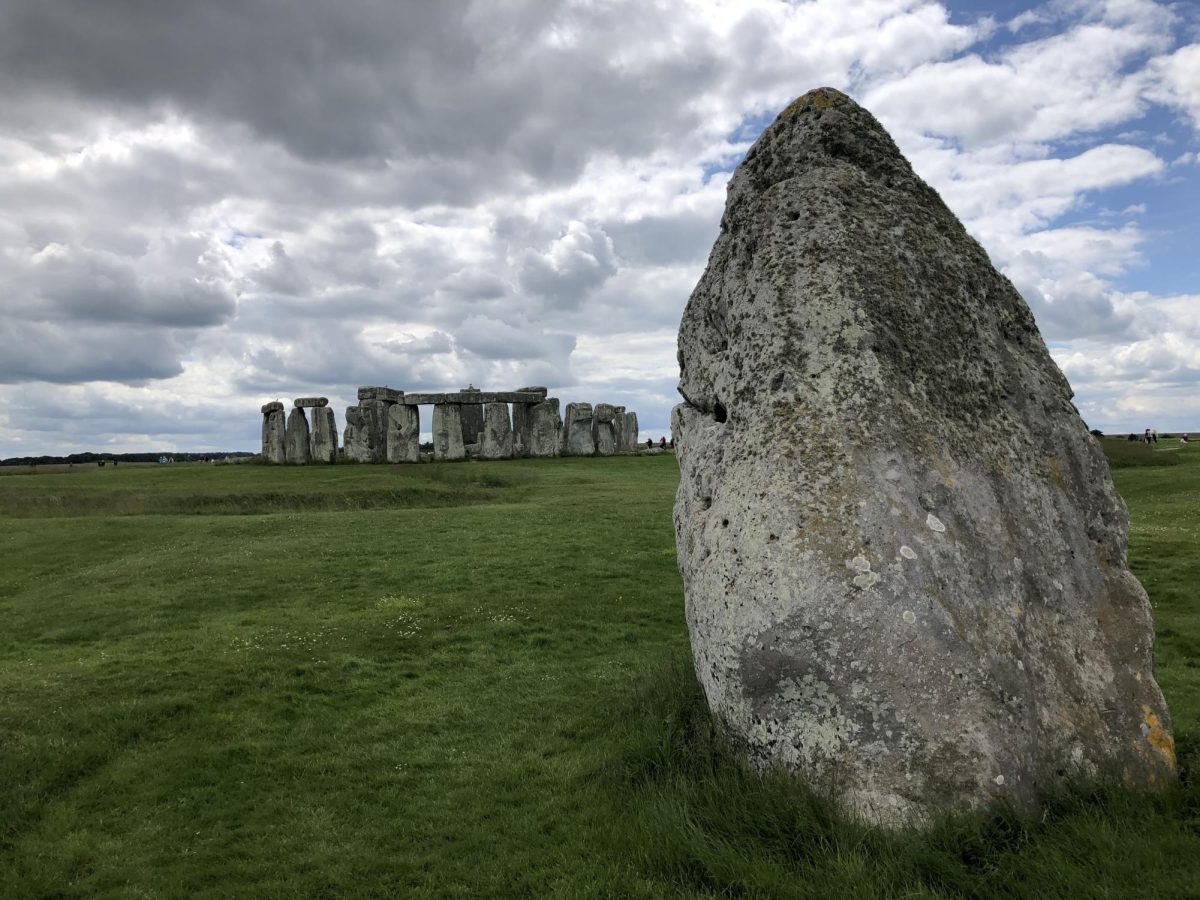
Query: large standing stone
x=626 y=426
x=545 y=429
x=903 y=556
x=496 y=442
x=403 y=434
x=603 y=434
x=447 y=432
x=323 y=439
x=472 y=415
x=274 y=429
x=364 y=439
x=297 y=438
x=521 y=424
x=577 y=437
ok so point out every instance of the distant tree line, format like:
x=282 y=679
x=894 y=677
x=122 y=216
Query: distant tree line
x=117 y=457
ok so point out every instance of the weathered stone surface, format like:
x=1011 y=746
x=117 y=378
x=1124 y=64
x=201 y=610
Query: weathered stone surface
x=386 y=394
x=403 y=434
x=497 y=441
x=296 y=441
x=625 y=425
x=472 y=418
x=545 y=429
x=447 y=432
x=364 y=438
x=472 y=397
x=577 y=437
x=271 y=407
x=311 y=402
x=520 y=427
x=903 y=556
x=274 y=430
x=323 y=437
x=604 y=435
x=540 y=391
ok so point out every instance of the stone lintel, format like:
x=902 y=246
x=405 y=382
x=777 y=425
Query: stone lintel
x=311 y=402
x=271 y=407
x=381 y=393
x=473 y=397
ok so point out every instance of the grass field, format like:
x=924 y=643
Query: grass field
x=461 y=680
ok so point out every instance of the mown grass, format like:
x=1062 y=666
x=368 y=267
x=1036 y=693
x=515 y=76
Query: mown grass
x=481 y=690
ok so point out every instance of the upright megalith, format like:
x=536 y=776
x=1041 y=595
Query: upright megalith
x=577 y=437
x=274 y=430
x=471 y=415
x=496 y=440
x=447 y=432
x=323 y=437
x=603 y=433
x=365 y=438
x=545 y=429
x=296 y=441
x=403 y=434
x=626 y=427
x=903 y=556
x=522 y=421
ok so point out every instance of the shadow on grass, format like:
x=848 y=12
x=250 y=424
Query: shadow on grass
x=703 y=822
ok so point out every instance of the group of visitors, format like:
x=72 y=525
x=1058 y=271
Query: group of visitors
x=662 y=443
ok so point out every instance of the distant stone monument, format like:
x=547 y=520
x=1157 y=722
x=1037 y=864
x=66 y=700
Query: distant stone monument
x=903 y=556
x=386 y=425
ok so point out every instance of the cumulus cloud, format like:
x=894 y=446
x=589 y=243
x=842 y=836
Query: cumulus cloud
x=248 y=201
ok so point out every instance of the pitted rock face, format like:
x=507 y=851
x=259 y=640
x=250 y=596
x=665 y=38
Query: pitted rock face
x=903 y=555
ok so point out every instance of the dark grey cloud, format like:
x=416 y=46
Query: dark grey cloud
x=66 y=354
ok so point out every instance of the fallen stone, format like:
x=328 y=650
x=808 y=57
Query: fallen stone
x=297 y=438
x=545 y=429
x=271 y=407
x=311 y=402
x=447 y=432
x=274 y=431
x=323 y=437
x=577 y=437
x=387 y=395
x=903 y=557
x=403 y=434
x=497 y=441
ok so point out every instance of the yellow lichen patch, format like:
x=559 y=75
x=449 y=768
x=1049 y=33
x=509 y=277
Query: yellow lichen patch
x=1158 y=737
x=1138 y=676
x=818 y=99
x=1016 y=610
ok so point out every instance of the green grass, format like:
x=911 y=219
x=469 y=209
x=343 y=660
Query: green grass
x=459 y=680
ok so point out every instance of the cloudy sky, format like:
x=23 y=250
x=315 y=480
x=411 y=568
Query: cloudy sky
x=206 y=206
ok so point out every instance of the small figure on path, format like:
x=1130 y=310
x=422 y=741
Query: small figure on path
x=649 y=443
x=662 y=442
